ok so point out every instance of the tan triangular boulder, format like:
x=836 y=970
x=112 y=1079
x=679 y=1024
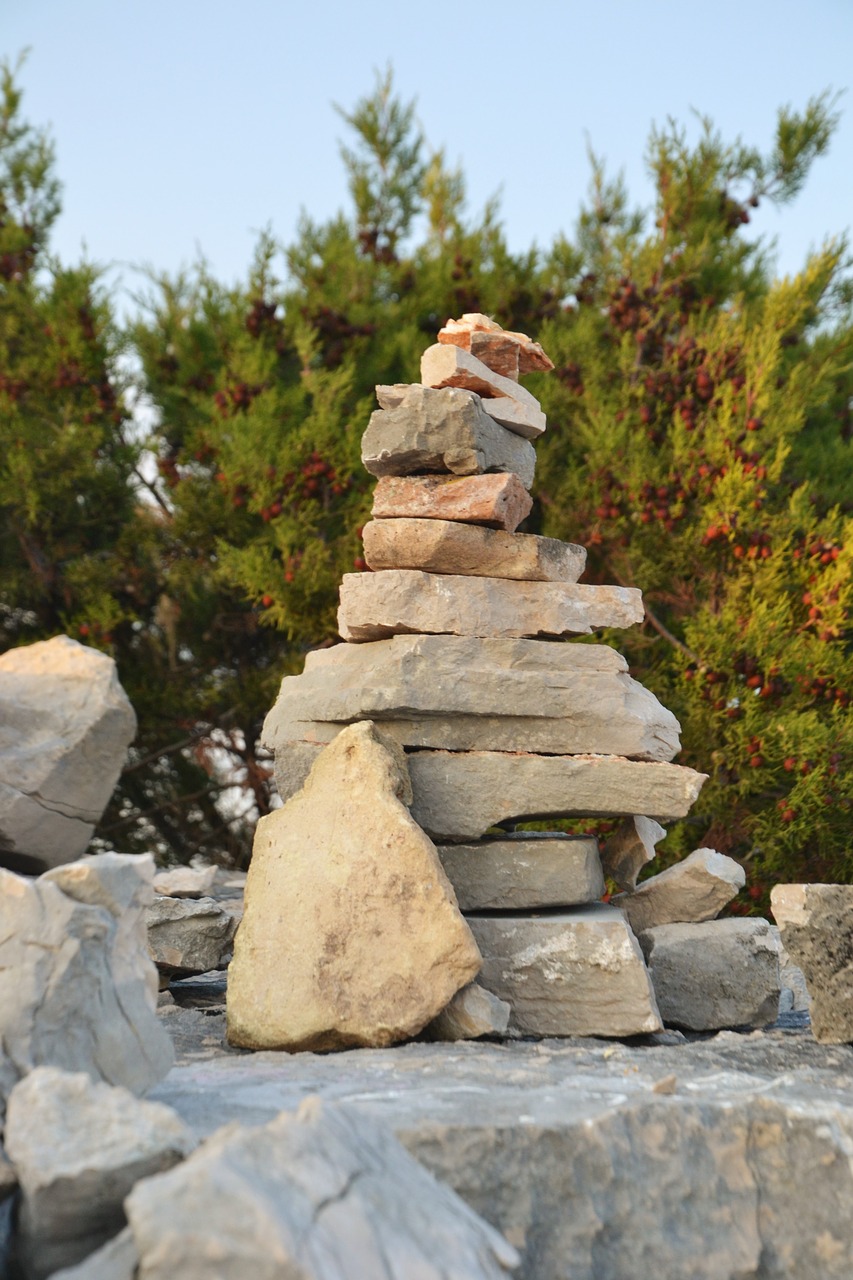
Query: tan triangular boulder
x=351 y=934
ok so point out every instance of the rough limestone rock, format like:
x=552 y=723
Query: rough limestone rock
x=186 y=936
x=401 y=601
x=816 y=925
x=510 y=413
x=513 y=405
x=185 y=882
x=420 y=429
x=502 y=350
x=351 y=933
x=629 y=848
x=447 y=546
x=322 y=1194
x=65 y=725
x=722 y=973
x=458 y=796
x=499 y=501
x=78 y=988
x=78 y=1149
x=568 y=973
x=525 y=870
x=693 y=890
x=473 y=1012
x=465 y=693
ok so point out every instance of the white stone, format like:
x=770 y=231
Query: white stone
x=692 y=890
x=185 y=882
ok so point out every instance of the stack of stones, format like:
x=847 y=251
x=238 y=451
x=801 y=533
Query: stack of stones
x=454 y=646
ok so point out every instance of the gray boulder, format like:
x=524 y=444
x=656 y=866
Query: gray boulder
x=188 y=936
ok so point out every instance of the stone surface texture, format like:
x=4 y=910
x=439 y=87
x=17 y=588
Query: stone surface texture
x=447 y=546
x=568 y=973
x=816 y=925
x=404 y=601
x=721 y=973
x=351 y=933
x=78 y=1148
x=534 y=869
x=116 y=1260
x=501 y=349
x=322 y=1194
x=509 y=403
x=695 y=889
x=185 y=882
x=473 y=1012
x=467 y=693
x=188 y=936
x=448 y=430
x=65 y=725
x=78 y=989
x=497 y=500
x=629 y=848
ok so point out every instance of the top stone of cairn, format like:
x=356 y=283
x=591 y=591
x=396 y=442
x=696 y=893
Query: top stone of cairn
x=506 y=353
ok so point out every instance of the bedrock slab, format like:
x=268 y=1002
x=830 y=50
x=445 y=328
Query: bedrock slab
x=524 y=870
x=507 y=401
x=497 y=500
x=599 y=1159
x=467 y=693
x=406 y=601
x=695 y=889
x=816 y=925
x=447 y=546
x=420 y=429
x=459 y=795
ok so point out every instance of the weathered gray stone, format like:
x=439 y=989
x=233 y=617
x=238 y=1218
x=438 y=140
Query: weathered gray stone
x=77 y=986
x=816 y=925
x=450 y=546
x=466 y=693
x=185 y=882
x=447 y=430
x=322 y=1194
x=497 y=500
x=692 y=890
x=450 y=366
x=188 y=936
x=65 y=725
x=568 y=973
x=722 y=973
x=795 y=996
x=351 y=933
x=401 y=601
x=473 y=1012
x=459 y=795
x=527 y=870
x=116 y=1260
x=78 y=1148
x=629 y=848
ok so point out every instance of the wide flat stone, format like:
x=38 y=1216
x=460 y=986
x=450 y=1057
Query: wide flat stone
x=816 y=925
x=507 y=401
x=447 y=546
x=420 y=429
x=467 y=693
x=405 y=601
x=527 y=870
x=502 y=350
x=695 y=889
x=629 y=848
x=498 y=500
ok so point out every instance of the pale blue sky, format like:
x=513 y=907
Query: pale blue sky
x=186 y=125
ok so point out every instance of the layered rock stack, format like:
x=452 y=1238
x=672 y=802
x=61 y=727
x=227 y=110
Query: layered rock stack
x=454 y=646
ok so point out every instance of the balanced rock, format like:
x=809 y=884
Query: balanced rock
x=529 y=869
x=78 y=988
x=188 y=936
x=816 y=925
x=568 y=973
x=78 y=1148
x=503 y=351
x=447 y=546
x=321 y=1194
x=421 y=429
x=472 y=1013
x=510 y=404
x=459 y=795
x=65 y=725
x=629 y=848
x=692 y=890
x=498 y=500
x=402 y=601
x=465 y=693
x=351 y=933
x=721 y=973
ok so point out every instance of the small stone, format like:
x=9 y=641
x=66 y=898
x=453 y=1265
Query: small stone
x=185 y=882
x=473 y=1012
x=568 y=973
x=445 y=546
x=498 y=348
x=507 y=401
x=498 y=500
x=693 y=890
x=816 y=925
x=188 y=936
x=402 y=601
x=629 y=848
x=722 y=973
x=444 y=431
x=530 y=870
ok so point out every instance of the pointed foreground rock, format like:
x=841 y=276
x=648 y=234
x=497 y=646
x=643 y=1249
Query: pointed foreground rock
x=498 y=500
x=816 y=926
x=695 y=889
x=351 y=934
x=524 y=871
x=446 y=546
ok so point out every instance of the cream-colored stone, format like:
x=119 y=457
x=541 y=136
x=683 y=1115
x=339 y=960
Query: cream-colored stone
x=405 y=601
x=185 y=882
x=490 y=343
x=816 y=925
x=498 y=500
x=450 y=366
x=447 y=546
x=568 y=973
x=631 y=846
x=693 y=890
x=524 y=871
x=473 y=1012
x=351 y=933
